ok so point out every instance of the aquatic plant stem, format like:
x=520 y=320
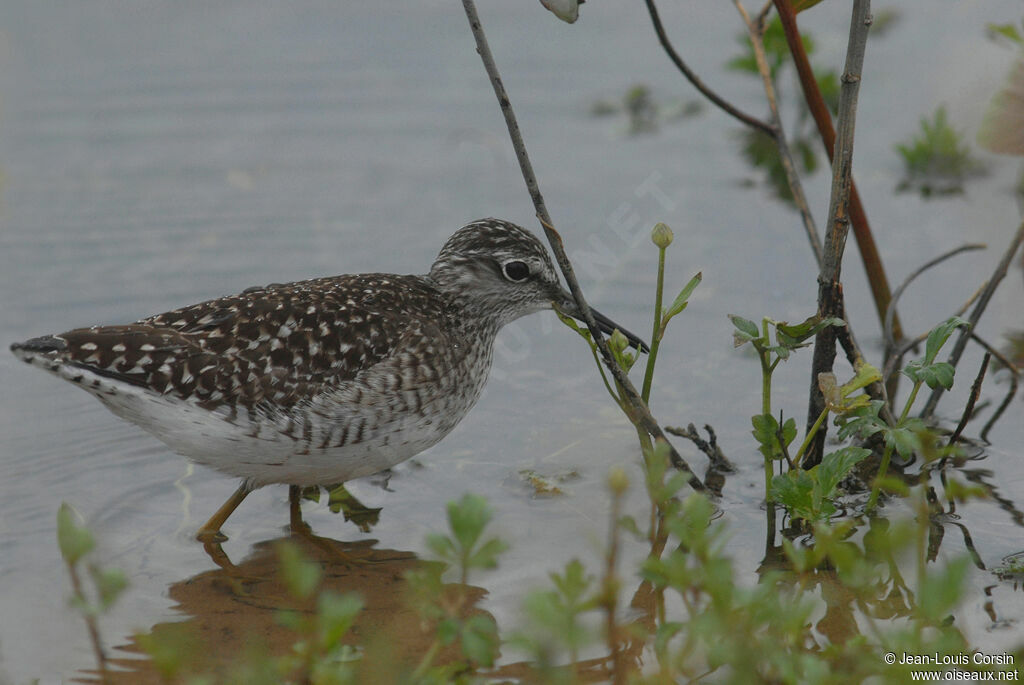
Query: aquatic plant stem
x=883 y=467
x=638 y=407
x=90 y=623
x=830 y=289
x=766 y=406
x=799 y=456
x=645 y=392
x=610 y=591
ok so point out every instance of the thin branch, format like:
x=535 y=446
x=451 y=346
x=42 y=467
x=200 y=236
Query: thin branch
x=971 y=401
x=872 y=261
x=711 y=95
x=756 y=31
x=961 y=342
x=1014 y=383
x=830 y=293
x=639 y=410
x=890 y=313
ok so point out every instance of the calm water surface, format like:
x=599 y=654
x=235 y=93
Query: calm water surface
x=158 y=154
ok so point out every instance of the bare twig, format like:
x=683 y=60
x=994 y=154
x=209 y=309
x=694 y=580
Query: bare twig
x=709 y=447
x=692 y=77
x=979 y=309
x=890 y=356
x=1014 y=383
x=639 y=411
x=830 y=294
x=756 y=31
x=971 y=401
x=822 y=117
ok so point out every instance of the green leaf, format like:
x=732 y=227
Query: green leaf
x=448 y=630
x=836 y=465
x=480 y=640
x=311 y=493
x=573 y=584
x=628 y=524
x=110 y=583
x=939 y=373
x=767 y=433
x=74 y=540
x=487 y=555
x=794 y=490
x=904 y=439
x=746 y=330
x=866 y=375
x=582 y=331
x=666 y=631
x=467 y=519
x=1007 y=31
x=862 y=422
x=939 y=335
x=679 y=304
x=793 y=336
x=942 y=589
x=442 y=547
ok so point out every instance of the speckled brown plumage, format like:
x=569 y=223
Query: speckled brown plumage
x=317 y=381
x=277 y=344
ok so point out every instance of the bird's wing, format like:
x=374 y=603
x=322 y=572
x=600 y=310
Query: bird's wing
x=279 y=343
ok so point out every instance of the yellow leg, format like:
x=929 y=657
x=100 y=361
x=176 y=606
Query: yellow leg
x=210 y=532
x=295 y=510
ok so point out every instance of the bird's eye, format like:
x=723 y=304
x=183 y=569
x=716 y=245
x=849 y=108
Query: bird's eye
x=515 y=271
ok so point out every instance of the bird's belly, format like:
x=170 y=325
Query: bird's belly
x=303 y=449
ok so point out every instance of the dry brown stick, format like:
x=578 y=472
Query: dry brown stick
x=830 y=294
x=639 y=410
x=971 y=401
x=1014 y=383
x=823 y=119
x=979 y=309
x=755 y=28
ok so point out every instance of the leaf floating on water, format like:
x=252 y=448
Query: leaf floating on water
x=547 y=485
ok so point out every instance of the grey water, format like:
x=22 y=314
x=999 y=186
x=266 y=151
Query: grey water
x=157 y=154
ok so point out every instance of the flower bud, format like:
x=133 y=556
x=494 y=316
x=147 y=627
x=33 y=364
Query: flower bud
x=617 y=341
x=661 y=235
x=618 y=481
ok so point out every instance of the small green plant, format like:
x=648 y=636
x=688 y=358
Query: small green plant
x=76 y=542
x=909 y=434
x=662 y=237
x=937 y=160
x=465 y=550
x=775 y=435
x=809 y=494
x=318 y=655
